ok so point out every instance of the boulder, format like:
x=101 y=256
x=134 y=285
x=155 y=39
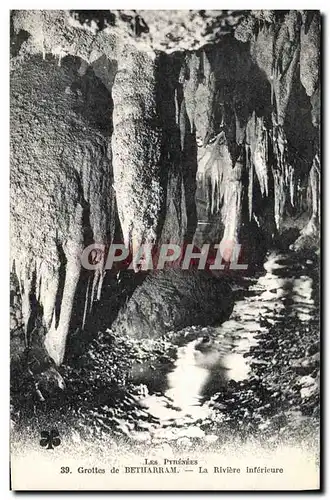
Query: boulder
x=172 y=299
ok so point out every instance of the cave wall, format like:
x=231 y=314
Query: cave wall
x=120 y=128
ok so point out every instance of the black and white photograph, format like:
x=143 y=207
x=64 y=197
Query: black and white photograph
x=165 y=250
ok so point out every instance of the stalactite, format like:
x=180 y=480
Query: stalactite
x=190 y=78
x=276 y=50
x=136 y=148
x=214 y=165
x=290 y=182
x=279 y=196
x=55 y=341
x=232 y=208
x=285 y=57
x=257 y=142
x=215 y=170
x=279 y=170
x=285 y=45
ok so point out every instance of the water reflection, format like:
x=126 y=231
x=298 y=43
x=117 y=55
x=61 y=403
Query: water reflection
x=185 y=384
x=209 y=362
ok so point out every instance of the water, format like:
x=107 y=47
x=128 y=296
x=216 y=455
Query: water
x=178 y=393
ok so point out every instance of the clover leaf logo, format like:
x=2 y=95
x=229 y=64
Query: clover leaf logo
x=50 y=439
